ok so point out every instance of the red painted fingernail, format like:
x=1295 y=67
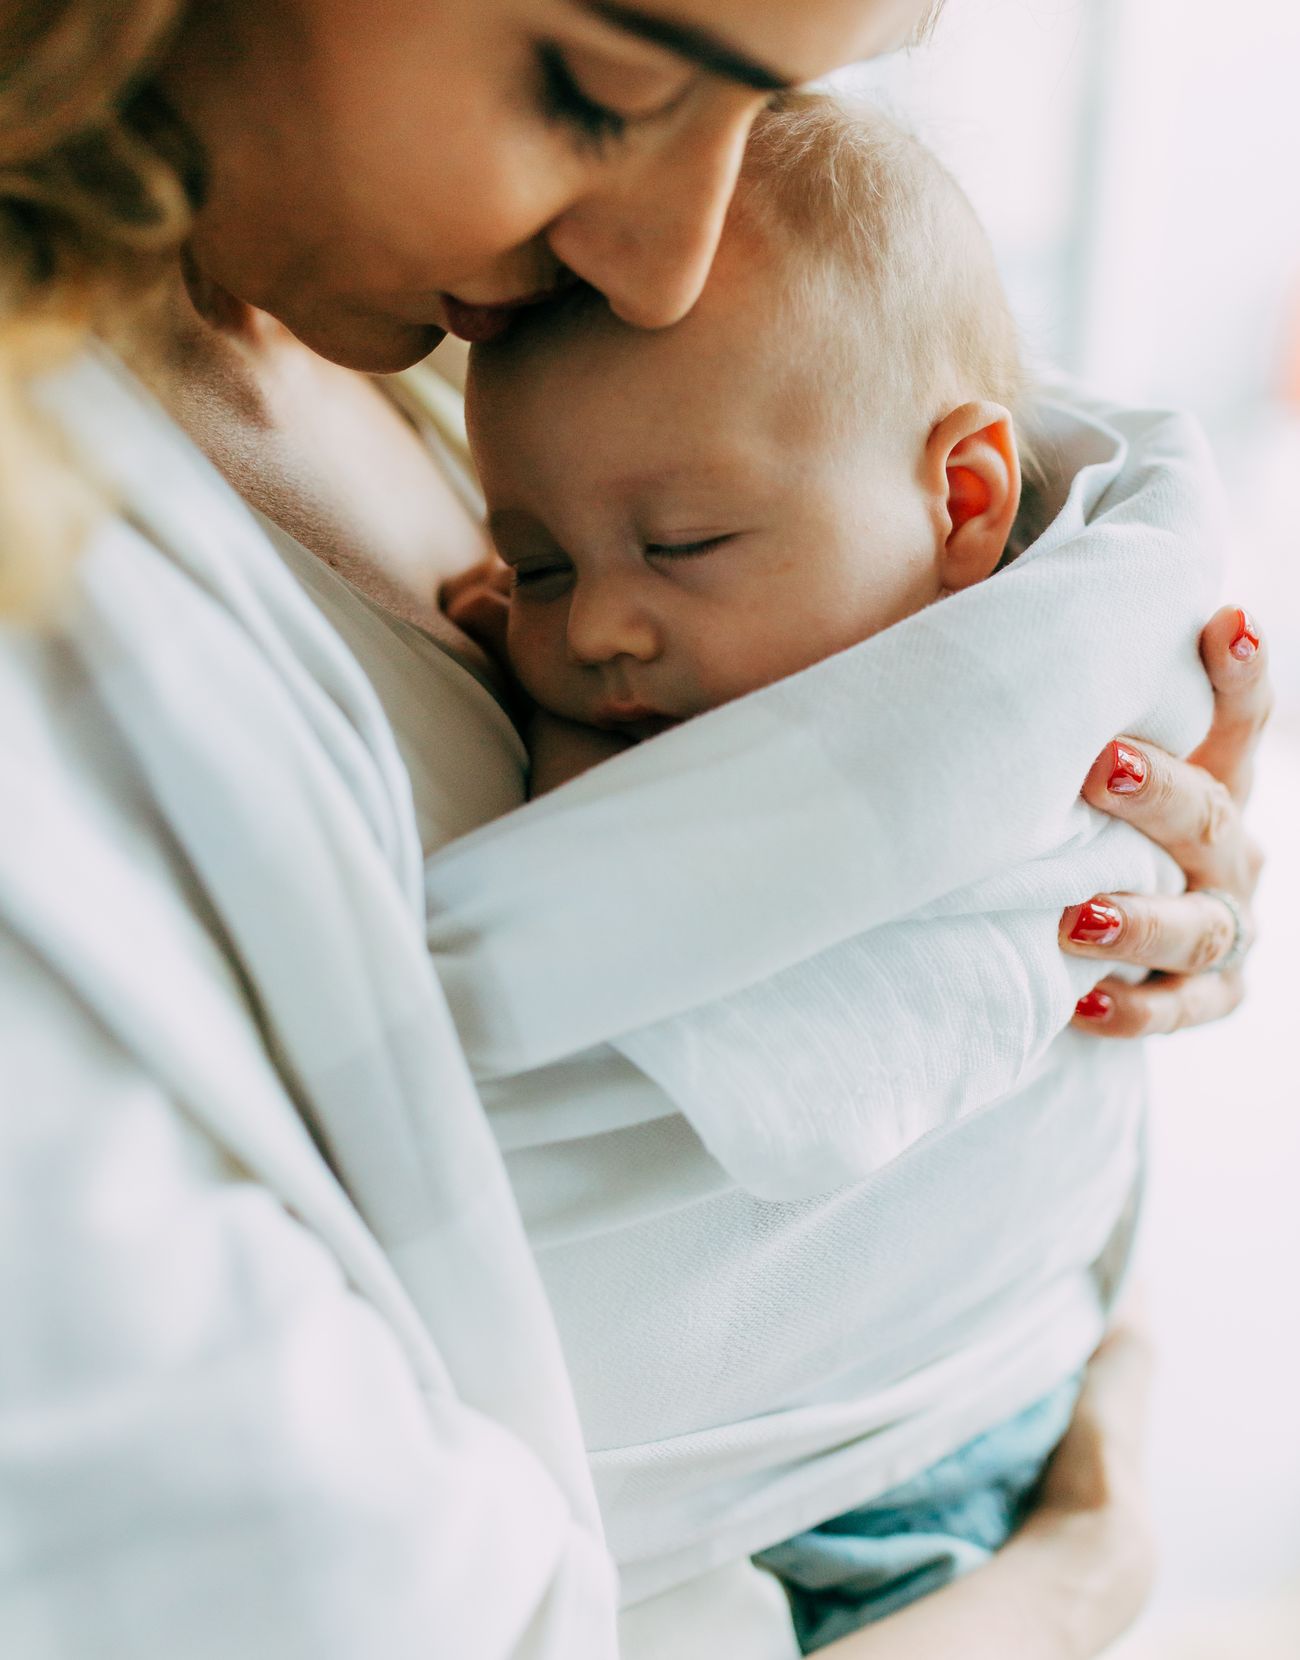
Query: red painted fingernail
x=1097 y=1005
x=1097 y=924
x=1128 y=770
x=1245 y=642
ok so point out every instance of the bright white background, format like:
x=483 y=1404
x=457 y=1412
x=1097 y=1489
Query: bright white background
x=1136 y=163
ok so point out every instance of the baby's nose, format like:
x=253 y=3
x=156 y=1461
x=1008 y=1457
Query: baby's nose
x=607 y=620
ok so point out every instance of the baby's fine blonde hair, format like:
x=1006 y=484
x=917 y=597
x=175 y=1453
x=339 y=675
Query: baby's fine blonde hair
x=96 y=180
x=887 y=264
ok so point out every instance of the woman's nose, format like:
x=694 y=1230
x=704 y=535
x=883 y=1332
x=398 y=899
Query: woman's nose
x=647 y=235
x=608 y=620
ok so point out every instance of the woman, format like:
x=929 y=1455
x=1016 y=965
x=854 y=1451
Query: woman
x=284 y=1378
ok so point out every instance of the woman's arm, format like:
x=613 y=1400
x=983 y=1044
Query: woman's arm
x=1077 y=1573
x=1192 y=808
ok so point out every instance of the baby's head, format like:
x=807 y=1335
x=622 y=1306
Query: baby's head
x=822 y=447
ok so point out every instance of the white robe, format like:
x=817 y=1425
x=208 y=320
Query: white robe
x=279 y=1377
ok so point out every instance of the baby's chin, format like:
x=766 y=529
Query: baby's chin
x=651 y=727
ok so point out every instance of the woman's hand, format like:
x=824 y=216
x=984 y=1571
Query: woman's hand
x=1078 y=1572
x=1194 y=942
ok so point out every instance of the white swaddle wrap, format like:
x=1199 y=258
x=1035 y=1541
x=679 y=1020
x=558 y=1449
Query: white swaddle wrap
x=821 y=923
x=897 y=812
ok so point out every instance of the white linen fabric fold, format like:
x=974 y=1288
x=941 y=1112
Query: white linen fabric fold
x=273 y=1313
x=823 y=918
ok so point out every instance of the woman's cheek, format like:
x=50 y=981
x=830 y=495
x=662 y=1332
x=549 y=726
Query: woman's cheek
x=522 y=181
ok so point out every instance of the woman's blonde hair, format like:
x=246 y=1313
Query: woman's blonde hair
x=97 y=181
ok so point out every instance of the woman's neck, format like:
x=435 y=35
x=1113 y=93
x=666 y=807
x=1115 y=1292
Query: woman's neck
x=316 y=448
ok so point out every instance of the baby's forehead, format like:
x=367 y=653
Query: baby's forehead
x=745 y=355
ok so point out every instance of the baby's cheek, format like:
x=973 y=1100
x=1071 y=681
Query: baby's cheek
x=749 y=652
x=535 y=643
x=522 y=644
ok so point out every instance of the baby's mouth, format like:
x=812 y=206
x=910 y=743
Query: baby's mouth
x=638 y=720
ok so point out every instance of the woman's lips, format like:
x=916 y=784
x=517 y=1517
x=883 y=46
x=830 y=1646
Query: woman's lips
x=477 y=323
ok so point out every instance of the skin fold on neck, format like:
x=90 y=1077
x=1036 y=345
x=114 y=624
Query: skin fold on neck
x=318 y=449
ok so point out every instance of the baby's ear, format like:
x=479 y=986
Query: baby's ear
x=973 y=471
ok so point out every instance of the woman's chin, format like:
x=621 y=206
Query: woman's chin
x=372 y=345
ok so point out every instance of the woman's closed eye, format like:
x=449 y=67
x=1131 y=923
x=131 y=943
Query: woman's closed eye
x=599 y=96
x=564 y=100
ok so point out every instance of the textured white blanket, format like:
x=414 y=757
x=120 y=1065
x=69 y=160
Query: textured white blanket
x=823 y=918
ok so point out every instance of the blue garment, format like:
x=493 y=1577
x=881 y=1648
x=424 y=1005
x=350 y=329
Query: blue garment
x=858 y=1567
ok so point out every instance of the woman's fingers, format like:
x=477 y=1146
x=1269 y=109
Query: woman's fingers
x=1236 y=661
x=1115 y=1009
x=1181 y=806
x=1192 y=809
x=1175 y=934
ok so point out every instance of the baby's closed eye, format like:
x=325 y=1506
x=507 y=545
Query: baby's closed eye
x=542 y=578
x=685 y=549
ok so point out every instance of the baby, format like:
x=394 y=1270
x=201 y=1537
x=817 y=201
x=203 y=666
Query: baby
x=825 y=446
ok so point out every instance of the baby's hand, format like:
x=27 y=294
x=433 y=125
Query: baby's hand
x=478 y=601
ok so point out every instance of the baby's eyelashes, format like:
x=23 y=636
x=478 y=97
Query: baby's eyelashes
x=684 y=550
x=541 y=580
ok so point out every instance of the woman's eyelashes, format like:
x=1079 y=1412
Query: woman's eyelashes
x=563 y=100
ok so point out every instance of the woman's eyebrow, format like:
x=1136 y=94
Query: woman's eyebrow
x=688 y=40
